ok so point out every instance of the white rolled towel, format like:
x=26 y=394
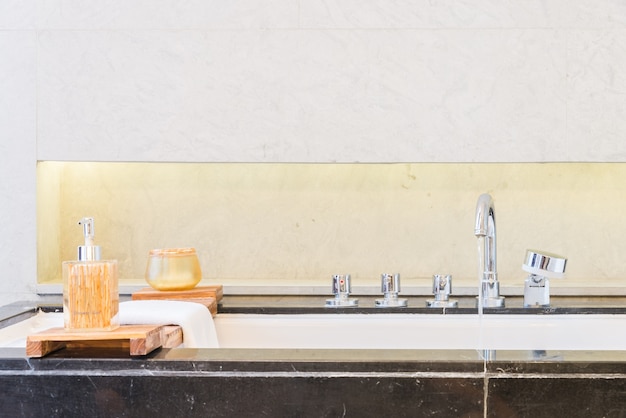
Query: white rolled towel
x=194 y=318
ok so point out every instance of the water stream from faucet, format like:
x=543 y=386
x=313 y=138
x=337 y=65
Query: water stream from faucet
x=481 y=272
x=479 y=299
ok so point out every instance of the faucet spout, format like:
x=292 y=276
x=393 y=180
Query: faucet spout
x=485 y=228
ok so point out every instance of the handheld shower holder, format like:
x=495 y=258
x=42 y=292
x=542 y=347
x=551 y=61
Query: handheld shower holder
x=541 y=267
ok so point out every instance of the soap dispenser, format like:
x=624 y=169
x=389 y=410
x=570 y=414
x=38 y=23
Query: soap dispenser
x=90 y=288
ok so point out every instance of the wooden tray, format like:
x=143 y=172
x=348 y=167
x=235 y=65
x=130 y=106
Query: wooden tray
x=216 y=292
x=209 y=296
x=138 y=339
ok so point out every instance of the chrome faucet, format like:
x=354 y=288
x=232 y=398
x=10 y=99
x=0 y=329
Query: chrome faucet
x=489 y=287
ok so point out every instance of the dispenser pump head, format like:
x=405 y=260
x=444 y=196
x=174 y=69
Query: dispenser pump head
x=89 y=251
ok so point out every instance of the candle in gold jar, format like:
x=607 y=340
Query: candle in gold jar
x=173 y=269
x=90 y=288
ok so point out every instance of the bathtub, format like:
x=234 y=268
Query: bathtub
x=393 y=331
x=423 y=331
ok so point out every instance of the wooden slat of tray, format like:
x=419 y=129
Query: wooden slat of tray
x=206 y=295
x=216 y=292
x=140 y=339
x=171 y=336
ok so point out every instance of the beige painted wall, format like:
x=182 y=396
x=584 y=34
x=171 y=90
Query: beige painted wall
x=301 y=223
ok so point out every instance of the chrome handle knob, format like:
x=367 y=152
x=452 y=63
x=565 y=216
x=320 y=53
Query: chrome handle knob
x=442 y=289
x=342 y=287
x=390 y=286
x=390 y=283
x=442 y=286
x=342 y=284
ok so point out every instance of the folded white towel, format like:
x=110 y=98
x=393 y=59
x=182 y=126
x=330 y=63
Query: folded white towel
x=194 y=318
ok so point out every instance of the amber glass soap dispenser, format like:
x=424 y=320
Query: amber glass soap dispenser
x=90 y=288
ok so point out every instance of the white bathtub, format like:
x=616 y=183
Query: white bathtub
x=15 y=335
x=423 y=331
x=393 y=331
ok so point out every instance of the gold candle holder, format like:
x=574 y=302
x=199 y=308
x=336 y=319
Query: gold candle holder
x=173 y=269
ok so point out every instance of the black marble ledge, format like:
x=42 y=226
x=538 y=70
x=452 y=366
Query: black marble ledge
x=564 y=363
x=305 y=304
x=499 y=363
x=312 y=383
x=285 y=361
x=17 y=312
x=293 y=305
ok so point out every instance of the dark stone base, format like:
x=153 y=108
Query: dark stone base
x=198 y=396
x=313 y=383
x=550 y=396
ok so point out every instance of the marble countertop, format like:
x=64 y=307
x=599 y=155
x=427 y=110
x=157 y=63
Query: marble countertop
x=411 y=287
x=416 y=304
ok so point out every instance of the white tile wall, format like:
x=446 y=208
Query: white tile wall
x=17 y=165
x=331 y=81
x=163 y=15
x=17 y=15
x=596 y=96
x=300 y=95
x=309 y=81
